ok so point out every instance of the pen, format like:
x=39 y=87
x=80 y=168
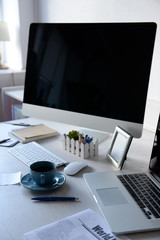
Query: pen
x=21 y=124
x=4 y=140
x=90 y=140
x=86 y=139
x=55 y=198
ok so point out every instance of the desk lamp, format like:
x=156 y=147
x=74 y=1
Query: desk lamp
x=4 y=36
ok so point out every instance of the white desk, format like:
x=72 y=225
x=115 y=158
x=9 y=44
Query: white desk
x=10 y=78
x=11 y=96
x=18 y=214
x=15 y=92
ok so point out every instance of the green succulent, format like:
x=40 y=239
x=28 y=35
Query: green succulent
x=73 y=134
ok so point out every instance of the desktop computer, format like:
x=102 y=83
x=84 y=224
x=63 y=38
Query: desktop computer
x=92 y=75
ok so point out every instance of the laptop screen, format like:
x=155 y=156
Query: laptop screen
x=154 y=164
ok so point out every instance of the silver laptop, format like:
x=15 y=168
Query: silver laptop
x=130 y=202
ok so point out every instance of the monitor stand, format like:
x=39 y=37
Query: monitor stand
x=95 y=134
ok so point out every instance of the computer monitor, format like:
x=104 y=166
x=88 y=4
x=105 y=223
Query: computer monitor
x=92 y=75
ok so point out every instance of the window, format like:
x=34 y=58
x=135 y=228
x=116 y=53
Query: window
x=18 y=15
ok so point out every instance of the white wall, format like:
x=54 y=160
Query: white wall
x=27 y=16
x=107 y=11
x=104 y=11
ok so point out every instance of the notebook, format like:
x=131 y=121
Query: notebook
x=130 y=202
x=34 y=133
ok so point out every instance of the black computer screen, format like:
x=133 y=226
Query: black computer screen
x=99 y=69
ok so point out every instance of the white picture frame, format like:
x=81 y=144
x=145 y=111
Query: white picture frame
x=119 y=147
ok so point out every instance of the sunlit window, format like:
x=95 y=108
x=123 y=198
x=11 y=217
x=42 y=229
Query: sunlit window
x=12 y=48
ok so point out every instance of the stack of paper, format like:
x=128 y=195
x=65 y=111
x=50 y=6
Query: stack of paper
x=34 y=133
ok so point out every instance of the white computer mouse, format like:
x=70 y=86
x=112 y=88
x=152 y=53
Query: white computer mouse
x=74 y=167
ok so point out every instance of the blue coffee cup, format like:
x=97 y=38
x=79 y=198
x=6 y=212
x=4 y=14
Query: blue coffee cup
x=43 y=172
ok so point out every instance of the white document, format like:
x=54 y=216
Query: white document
x=10 y=178
x=86 y=225
x=5 y=129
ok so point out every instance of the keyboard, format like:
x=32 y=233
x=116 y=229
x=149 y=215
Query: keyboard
x=144 y=191
x=32 y=152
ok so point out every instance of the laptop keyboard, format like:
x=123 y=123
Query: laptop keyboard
x=144 y=191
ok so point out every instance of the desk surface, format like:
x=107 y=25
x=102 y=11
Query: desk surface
x=18 y=214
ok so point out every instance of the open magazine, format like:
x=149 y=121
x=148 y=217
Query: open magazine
x=86 y=225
